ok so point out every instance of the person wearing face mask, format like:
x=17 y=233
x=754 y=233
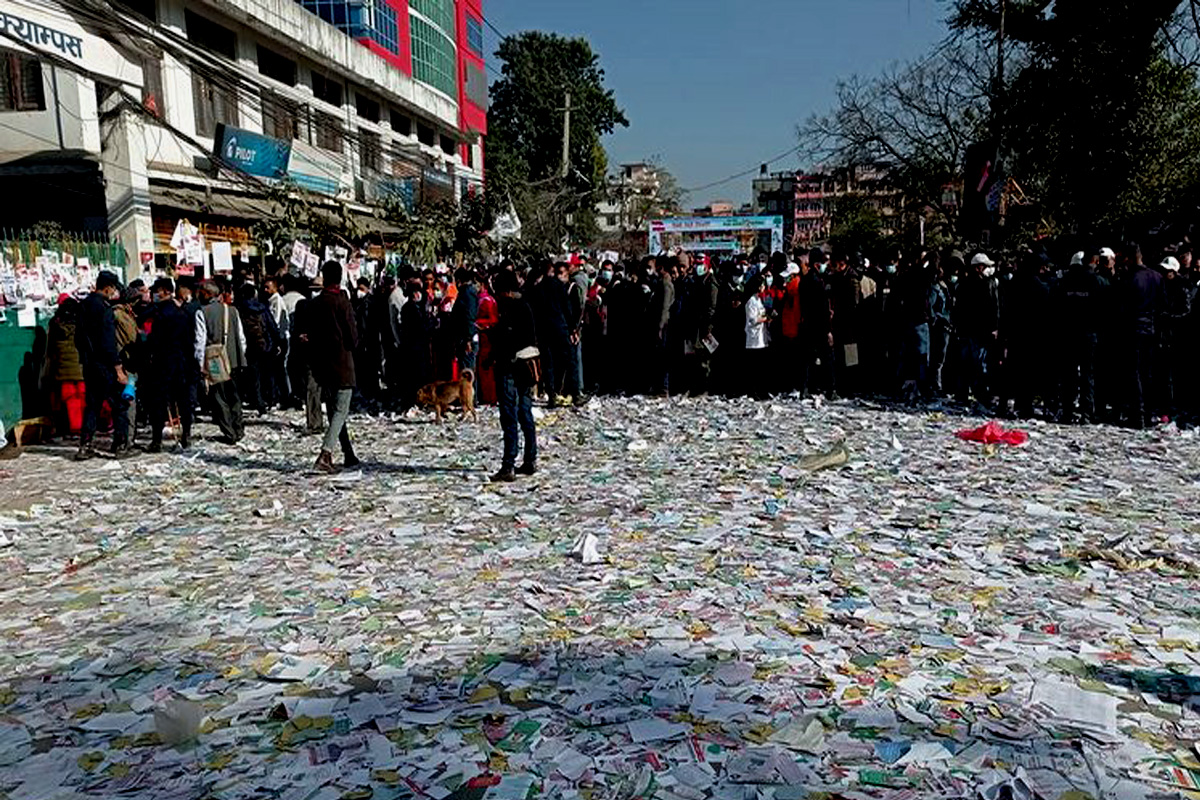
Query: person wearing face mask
x=816 y=367
x=845 y=292
x=940 y=328
x=977 y=321
x=755 y=369
x=103 y=374
x=699 y=299
x=263 y=342
x=416 y=329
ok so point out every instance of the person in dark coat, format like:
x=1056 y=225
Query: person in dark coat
x=816 y=328
x=548 y=300
x=171 y=365
x=263 y=344
x=977 y=321
x=1026 y=305
x=1145 y=298
x=332 y=340
x=416 y=328
x=1079 y=302
x=514 y=332
x=463 y=321
x=103 y=373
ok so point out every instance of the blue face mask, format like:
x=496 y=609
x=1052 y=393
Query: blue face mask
x=701 y=271
x=890 y=269
x=953 y=279
x=769 y=280
x=606 y=275
x=822 y=268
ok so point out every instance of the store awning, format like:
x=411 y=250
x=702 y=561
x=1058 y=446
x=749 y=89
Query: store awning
x=217 y=204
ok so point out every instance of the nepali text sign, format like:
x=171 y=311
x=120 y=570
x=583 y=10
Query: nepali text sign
x=45 y=30
x=701 y=225
x=251 y=152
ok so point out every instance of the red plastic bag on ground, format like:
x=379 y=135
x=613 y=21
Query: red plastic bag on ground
x=994 y=433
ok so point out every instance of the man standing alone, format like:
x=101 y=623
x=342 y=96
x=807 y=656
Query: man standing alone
x=514 y=333
x=332 y=340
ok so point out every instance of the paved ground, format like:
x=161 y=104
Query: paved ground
x=931 y=619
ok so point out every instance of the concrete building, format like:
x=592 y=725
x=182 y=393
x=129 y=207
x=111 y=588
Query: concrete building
x=153 y=111
x=808 y=201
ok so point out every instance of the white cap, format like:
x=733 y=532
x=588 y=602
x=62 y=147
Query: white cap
x=1077 y=259
x=981 y=258
x=792 y=268
x=1170 y=263
x=1107 y=252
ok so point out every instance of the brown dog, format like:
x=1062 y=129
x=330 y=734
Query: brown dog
x=440 y=394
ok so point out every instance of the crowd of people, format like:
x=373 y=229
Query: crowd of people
x=1104 y=337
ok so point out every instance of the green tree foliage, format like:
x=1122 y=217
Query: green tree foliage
x=1097 y=113
x=525 y=128
x=857 y=226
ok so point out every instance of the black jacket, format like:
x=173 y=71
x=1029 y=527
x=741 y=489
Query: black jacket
x=976 y=307
x=171 y=343
x=96 y=333
x=1145 y=299
x=548 y=300
x=1080 y=302
x=332 y=339
x=514 y=331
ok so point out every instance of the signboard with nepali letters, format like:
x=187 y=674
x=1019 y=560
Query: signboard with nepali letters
x=45 y=30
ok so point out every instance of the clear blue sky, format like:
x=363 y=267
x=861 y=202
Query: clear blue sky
x=713 y=87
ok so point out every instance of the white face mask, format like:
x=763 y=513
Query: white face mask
x=989 y=272
x=701 y=270
x=362 y=292
x=822 y=268
x=769 y=280
x=890 y=269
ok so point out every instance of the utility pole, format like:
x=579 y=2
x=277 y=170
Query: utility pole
x=1000 y=108
x=566 y=158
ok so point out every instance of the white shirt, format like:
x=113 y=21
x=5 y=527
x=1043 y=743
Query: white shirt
x=756 y=329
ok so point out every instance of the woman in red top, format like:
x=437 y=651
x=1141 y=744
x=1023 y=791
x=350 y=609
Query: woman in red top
x=487 y=317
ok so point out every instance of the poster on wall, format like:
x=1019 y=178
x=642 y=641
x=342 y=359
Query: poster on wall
x=31 y=282
x=299 y=255
x=222 y=258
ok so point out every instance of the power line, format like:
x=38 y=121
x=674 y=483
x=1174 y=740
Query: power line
x=495 y=30
x=748 y=172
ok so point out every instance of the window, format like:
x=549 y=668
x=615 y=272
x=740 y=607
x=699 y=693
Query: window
x=447 y=145
x=208 y=34
x=214 y=102
x=327 y=90
x=329 y=132
x=439 y=12
x=469 y=152
x=475 y=35
x=277 y=67
x=476 y=85
x=370 y=150
x=387 y=31
x=152 y=89
x=425 y=134
x=20 y=83
x=611 y=219
x=367 y=108
x=433 y=57
x=281 y=117
x=401 y=123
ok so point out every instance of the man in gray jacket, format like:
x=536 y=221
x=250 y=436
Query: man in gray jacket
x=219 y=323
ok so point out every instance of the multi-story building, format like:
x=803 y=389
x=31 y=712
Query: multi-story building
x=153 y=111
x=808 y=201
